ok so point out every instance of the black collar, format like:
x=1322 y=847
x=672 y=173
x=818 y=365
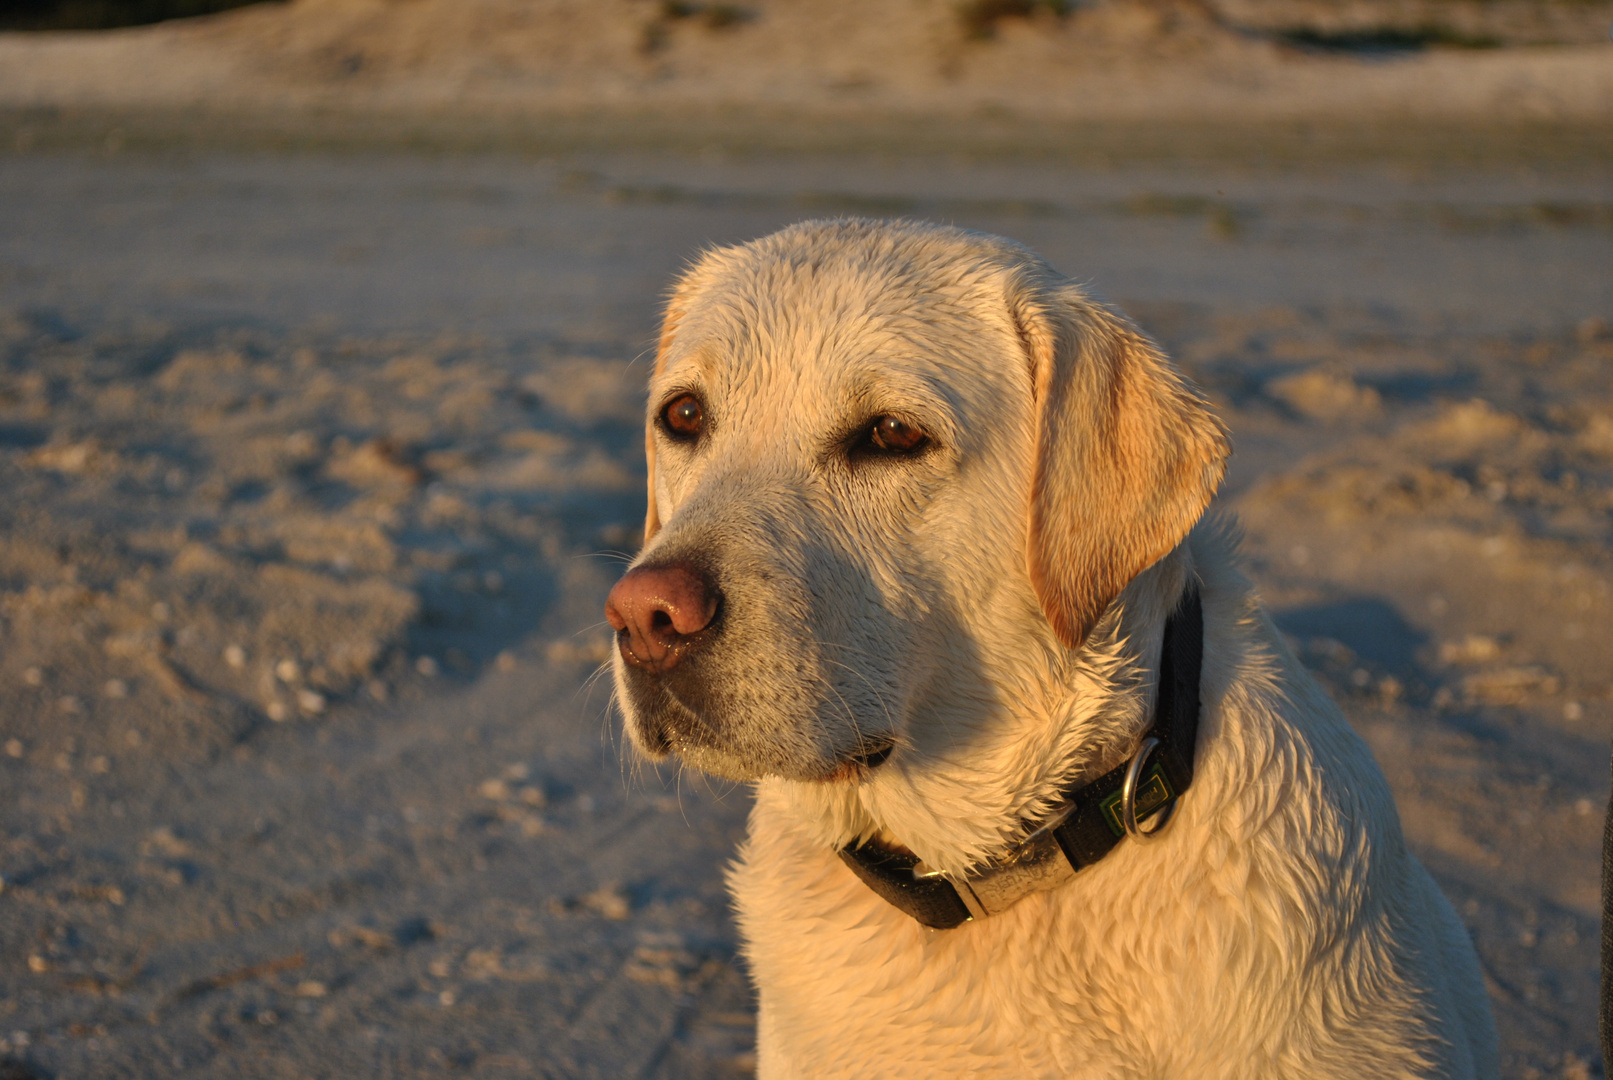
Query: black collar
x=1089 y=823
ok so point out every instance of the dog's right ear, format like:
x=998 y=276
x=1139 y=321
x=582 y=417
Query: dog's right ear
x=1127 y=455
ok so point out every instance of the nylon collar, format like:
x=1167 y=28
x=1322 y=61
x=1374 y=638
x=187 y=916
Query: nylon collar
x=1084 y=829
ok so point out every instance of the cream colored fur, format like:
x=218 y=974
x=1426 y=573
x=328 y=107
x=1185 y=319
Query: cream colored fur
x=995 y=607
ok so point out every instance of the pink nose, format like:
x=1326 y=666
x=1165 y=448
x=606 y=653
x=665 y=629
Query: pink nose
x=656 y=611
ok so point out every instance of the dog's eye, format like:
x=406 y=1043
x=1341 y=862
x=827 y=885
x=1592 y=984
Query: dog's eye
x=683 y=417
x=894 y=435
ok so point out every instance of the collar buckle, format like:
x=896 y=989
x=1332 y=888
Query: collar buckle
x=1035 y=864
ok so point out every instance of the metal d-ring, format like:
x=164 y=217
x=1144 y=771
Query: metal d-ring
x=1128 y=796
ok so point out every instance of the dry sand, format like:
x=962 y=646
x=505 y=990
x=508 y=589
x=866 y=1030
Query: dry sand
x=307 y=461
x=315 y=467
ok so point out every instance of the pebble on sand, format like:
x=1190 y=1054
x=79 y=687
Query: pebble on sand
x=609 y=902
x=1474 y=648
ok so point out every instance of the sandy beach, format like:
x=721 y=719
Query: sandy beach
x=318 y=454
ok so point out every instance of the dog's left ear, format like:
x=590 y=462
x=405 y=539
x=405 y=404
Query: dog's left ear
x=1127 y=454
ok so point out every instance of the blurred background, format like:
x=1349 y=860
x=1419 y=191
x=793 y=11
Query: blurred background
x=323 y=333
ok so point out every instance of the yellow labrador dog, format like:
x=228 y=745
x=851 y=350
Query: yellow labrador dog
x=1040 y=792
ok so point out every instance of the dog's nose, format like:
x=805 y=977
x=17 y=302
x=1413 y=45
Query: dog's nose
x=656 y=612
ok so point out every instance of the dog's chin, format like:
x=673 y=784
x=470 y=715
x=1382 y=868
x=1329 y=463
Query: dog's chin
x=721 y=763
x=728 y=764
x=852 y=769
x=659 y=740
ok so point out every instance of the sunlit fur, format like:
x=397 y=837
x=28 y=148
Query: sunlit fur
x=1278 y=927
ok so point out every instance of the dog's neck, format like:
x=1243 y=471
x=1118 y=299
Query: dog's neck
x=1077 y=714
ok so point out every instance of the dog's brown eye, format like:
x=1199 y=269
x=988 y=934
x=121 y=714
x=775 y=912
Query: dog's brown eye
x=896 y=436
x=684 y=417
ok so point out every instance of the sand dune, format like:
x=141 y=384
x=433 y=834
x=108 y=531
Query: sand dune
x=1123 y=58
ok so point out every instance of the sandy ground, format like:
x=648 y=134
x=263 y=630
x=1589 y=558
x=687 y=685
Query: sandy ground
x=314 y=470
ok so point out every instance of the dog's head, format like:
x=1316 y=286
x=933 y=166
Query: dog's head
x=890 y=467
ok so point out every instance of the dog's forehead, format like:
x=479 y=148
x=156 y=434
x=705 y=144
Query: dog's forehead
x=816 y=333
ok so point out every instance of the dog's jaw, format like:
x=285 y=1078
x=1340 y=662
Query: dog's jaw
x=960 y=803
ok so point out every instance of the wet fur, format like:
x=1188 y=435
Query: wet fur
x=995 y=608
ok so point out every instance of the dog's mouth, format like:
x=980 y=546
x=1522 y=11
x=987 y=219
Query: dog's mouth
x=673 y=716
x=876 y=757
x=857 y=766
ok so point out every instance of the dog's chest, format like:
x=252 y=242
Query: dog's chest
x=860 y=989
